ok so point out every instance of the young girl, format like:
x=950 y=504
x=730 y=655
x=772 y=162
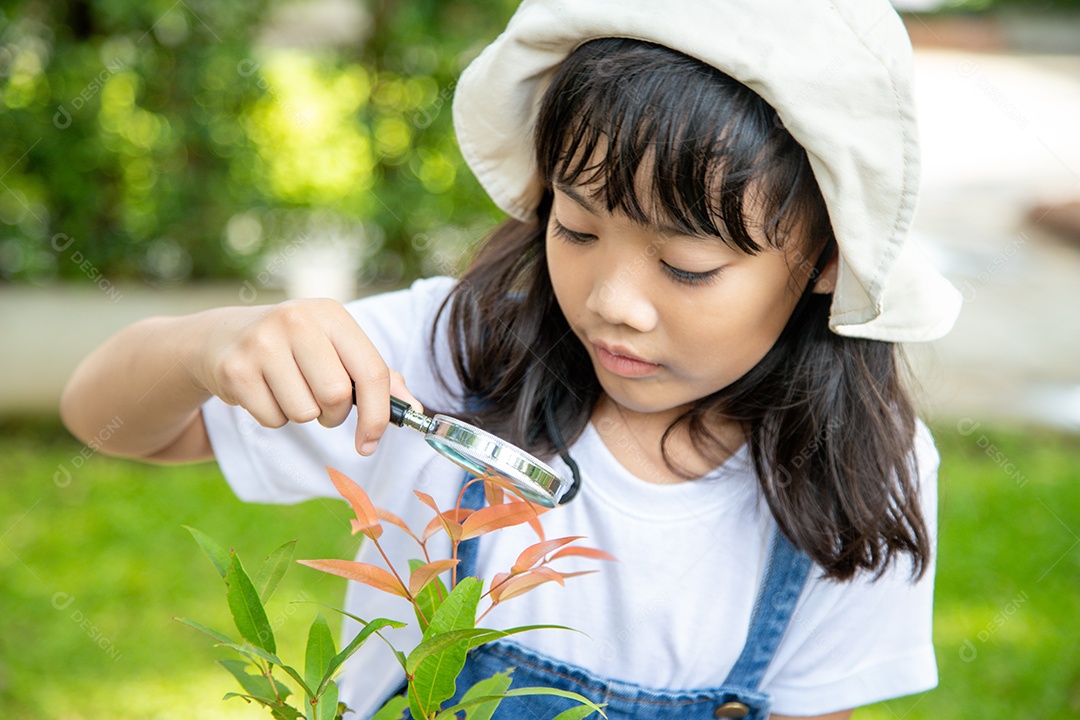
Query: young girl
x=694 y=306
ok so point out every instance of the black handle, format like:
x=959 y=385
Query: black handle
x=397 y=408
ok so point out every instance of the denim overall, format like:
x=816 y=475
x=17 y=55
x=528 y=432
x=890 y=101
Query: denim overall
x=737 y=697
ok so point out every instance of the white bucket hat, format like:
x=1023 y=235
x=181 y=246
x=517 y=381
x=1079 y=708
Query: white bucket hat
x=838 y=73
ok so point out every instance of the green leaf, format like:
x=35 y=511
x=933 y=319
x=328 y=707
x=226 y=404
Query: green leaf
x=285 y=712
x=576 y=713
x=474 y=636
x=521 y=692
x=213 y=551
x=252 y=651
x=429 y=599
x=328 y=703
x=338 y=660
x=497 y=684
x=526 y=691
x=383 y=622
x=468 y=638
x=393 y=709
x=220 y=637
x=256 y=686
x=280 y=710
x=246 y=608
x=435 y=675
x=320 y=652
x=272 y=570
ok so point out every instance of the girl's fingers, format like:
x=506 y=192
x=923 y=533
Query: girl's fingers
x=399 y=390
x=326 y=378
x=371 y=378
x=259 y=401
x=291 y=391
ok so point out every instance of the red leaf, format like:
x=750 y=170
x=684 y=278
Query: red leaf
x=361 y=504
x=424 y=574
x=520 y=585
x=585 y=552
x=488 y=519
x=376 y=577
x=534 y=553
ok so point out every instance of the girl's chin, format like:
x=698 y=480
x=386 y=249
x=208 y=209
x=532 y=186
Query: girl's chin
x=644 y=401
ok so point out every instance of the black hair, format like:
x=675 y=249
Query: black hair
x=829 y=423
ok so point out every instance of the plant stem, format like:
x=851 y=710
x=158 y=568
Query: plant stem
x=391 y=566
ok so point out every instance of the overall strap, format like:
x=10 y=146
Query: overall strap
x=785 y=577
x=473 y=499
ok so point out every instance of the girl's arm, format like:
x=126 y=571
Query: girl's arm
x=842 y=715
x=296 y=361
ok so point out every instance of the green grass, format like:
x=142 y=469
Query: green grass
x=1007 y=615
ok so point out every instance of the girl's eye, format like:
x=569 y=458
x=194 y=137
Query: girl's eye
x=684 y=277
x=691 y=278
x=570 y=235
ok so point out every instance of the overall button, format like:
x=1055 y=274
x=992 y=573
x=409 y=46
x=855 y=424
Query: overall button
x=731 y=710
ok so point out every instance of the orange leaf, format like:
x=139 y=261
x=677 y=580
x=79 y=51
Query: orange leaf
x=376 y=577
x=585 y=552
x=424 y=574
x=487 y=519
x=395 y=520
x=374 y=532
x=567 y=576
x=493 y=492
x=534 y=553
x=552 y=574
x=427 y=500
x=520 y=585
x=534 y=521
x=361 y=504
x=450 y=521
x=496 y=581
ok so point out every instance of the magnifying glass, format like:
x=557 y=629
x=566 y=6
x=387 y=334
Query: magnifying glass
x=481 y=453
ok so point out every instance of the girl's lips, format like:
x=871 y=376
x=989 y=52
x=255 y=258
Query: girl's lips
x=623 y=365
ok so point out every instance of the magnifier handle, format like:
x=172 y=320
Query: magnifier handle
x=398 y=407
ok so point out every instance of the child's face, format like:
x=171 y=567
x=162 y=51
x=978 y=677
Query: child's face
x=692 y=314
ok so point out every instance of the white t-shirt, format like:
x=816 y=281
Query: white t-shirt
x=673 y=613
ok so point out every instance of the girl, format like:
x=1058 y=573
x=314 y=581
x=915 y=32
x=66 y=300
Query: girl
x=693 y=311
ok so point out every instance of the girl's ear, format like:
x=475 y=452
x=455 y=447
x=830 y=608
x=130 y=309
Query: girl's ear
x=826 y=283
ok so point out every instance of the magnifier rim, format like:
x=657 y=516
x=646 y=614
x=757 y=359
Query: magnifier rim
x=507 y=460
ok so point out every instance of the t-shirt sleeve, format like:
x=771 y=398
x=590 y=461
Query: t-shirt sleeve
x=288 y=464
x=863 y=641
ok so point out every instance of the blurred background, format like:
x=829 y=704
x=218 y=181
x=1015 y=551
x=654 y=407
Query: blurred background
x=165 y=156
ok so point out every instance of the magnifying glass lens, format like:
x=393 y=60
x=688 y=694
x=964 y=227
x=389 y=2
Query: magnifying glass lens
x=481 y=453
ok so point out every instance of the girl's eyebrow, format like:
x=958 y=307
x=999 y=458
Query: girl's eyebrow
x=662 y=228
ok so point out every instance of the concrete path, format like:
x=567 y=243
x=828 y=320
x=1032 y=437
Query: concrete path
x=1001 y=134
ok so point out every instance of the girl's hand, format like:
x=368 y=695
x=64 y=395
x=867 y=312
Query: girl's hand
x=298 y=361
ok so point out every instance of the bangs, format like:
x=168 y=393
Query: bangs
x=711 y=157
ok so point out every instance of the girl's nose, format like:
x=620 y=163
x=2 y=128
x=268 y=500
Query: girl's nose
x=619 y=299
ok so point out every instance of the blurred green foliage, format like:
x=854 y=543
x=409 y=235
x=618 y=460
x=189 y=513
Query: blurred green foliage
x=165 y=140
